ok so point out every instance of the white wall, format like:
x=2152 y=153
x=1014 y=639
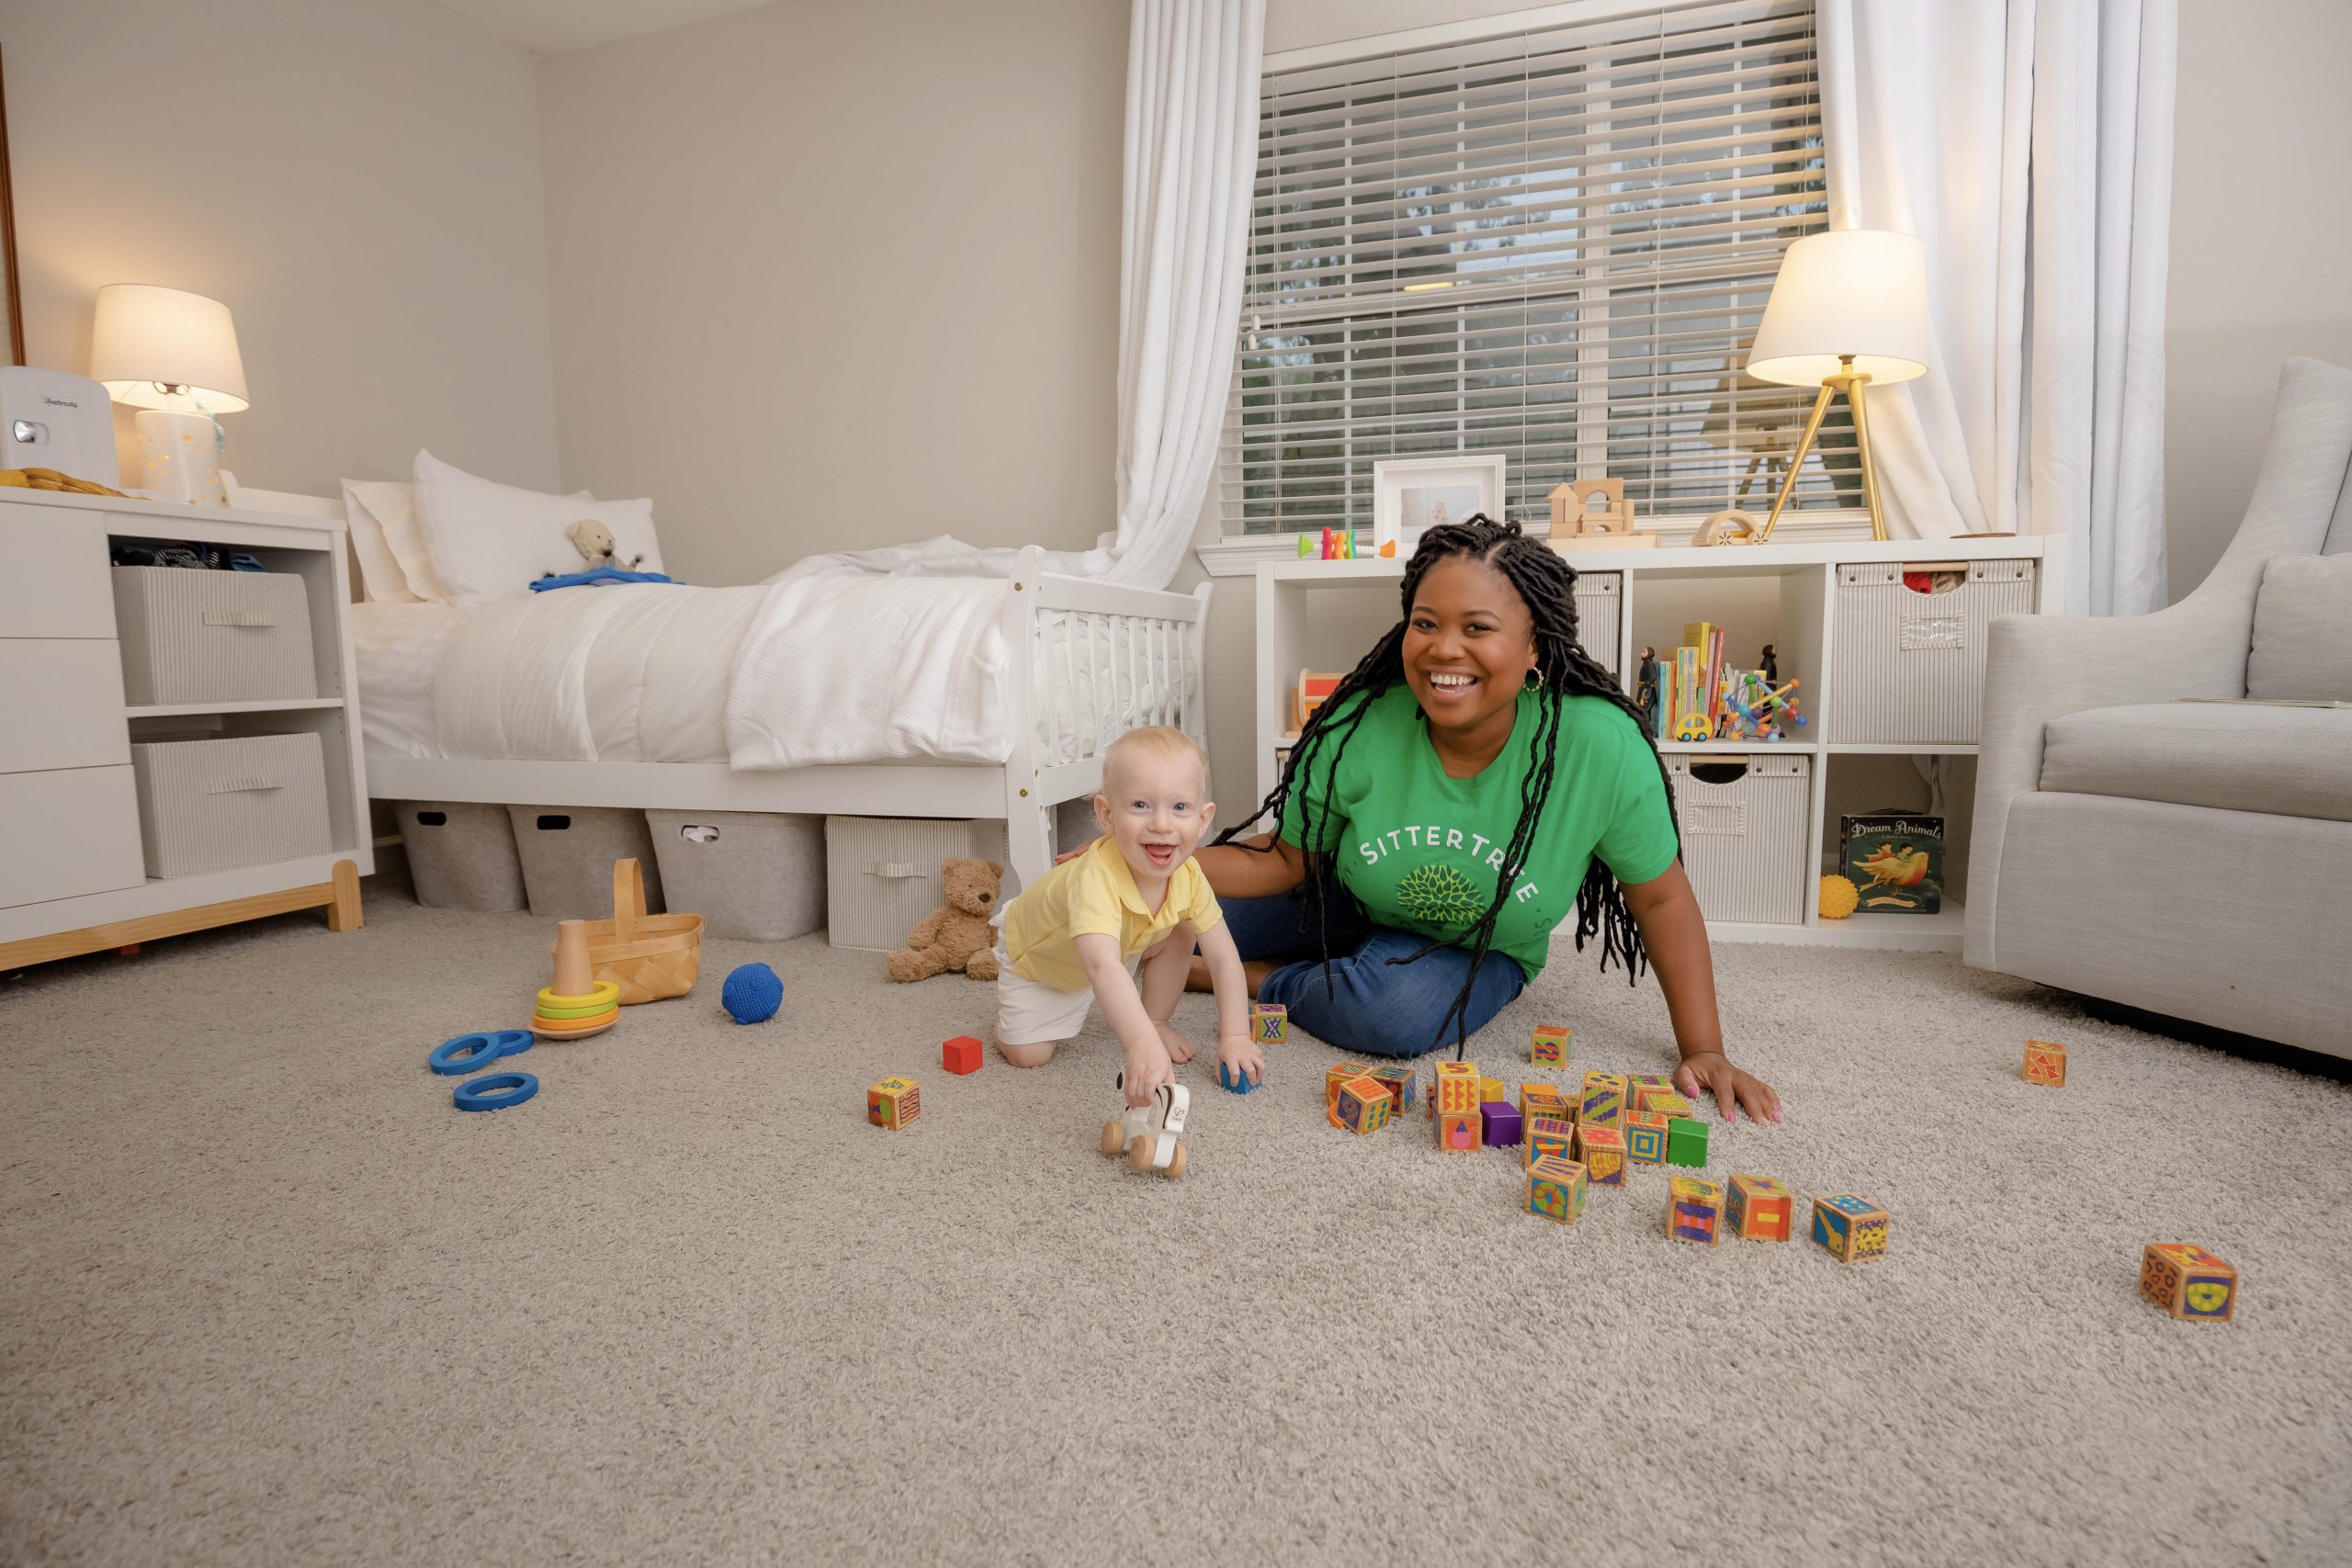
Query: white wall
x=358 y=180
x=829 y=275
x=2261 y=246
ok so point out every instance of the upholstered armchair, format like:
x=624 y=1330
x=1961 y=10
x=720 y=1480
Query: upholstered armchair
x=2189 y=859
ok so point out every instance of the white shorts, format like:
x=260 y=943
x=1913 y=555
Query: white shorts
x=1030 y=1012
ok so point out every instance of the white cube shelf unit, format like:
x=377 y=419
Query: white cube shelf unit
x=1802 y=583
x=72 y=869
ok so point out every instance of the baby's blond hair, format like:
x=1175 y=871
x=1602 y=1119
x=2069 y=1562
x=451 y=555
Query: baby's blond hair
x=1160 y=739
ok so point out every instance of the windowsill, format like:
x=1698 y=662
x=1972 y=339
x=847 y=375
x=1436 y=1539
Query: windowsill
x=1238 y=555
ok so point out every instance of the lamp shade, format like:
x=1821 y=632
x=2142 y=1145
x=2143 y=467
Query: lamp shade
x=165 y=349
x=1861 y=292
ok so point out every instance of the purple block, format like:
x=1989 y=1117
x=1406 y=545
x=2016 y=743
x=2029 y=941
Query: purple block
x=1499 y=1122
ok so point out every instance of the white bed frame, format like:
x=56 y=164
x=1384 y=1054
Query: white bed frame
x=1155 y=643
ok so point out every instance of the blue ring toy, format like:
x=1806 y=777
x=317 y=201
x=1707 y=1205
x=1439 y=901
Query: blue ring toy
x=495 y=1092
x=466 y=1053
x=514 y=1042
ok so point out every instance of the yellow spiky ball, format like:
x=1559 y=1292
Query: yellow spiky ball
x=1839 y=897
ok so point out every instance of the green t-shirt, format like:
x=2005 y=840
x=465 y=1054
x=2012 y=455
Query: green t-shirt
x=1422 y=851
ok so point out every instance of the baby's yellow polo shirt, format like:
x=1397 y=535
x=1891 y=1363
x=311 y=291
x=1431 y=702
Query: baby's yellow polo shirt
x=1096 y=893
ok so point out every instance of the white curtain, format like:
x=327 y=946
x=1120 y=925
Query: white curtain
x=2029 y=144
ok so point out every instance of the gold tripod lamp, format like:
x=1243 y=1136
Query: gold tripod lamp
x=1849 y=308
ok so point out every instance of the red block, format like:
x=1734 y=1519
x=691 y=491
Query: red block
x=961 y=1055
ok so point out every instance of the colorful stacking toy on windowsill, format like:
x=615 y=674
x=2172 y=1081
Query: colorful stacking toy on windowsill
x=577 y=1004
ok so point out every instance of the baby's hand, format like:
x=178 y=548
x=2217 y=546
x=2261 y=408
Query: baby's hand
x=1147 y=1068
x=1241 y=1054
x=1179 y=1046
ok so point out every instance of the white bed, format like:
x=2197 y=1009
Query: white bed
x=876 y=696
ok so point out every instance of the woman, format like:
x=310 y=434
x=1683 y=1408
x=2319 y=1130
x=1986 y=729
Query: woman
x=1474 y=778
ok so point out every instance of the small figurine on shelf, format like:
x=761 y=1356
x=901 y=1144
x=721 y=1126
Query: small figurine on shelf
x=1645 y=689
x=1771 y=664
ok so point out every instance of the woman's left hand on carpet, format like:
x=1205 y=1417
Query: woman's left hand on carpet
x=1734 y=1090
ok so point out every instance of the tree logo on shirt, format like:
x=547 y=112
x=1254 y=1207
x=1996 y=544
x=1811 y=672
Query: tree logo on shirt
x=1440 y=896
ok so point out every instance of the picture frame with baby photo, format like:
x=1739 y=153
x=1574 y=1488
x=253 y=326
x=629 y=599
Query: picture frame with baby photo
x=1409 y=494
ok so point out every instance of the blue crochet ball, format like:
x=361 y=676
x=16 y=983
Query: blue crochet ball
x=752 y=994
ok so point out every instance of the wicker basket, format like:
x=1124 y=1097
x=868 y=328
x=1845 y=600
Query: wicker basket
x=647 y=956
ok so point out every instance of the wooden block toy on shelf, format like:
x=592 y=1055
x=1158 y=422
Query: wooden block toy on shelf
x=1759 y=1208
x=1694 y=1210
x=1340 y=1075
x=1499 y=1127
x=1458 y=1132
x=2189 y=1282
x=893 y=1103
x=1402 y=1085
x=1644 y=1139
x=1457 y=1088
x=961 y=1055
x=1603 y=1103
x=1601 y=1152
x=1851 y=1229
x=1550 y=1135
x=1365 y=1105
x=1686 y=1141
x=1549 y=1044
x=1542 y=1099
x=2045 y=1063
x=1269 y=1023
x=1556 y=1190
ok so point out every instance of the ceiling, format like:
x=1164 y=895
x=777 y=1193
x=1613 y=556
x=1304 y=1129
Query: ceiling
x=558 y=27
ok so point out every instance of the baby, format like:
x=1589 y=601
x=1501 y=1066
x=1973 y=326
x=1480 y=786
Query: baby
x=1134 y=898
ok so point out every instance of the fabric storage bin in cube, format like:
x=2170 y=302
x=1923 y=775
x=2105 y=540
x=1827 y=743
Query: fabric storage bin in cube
x=1599 y=600
x=882 y=872
x=568 y=853
x=240 y=800
x=212 y=637
x=1908 y=666
x=751 y=876
x=1744 y=819
x=461 y=855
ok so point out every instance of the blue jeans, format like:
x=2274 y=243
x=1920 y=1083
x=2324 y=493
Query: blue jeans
x=1373 y=1007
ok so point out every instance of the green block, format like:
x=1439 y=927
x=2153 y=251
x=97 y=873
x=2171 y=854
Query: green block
x=1686 y=1141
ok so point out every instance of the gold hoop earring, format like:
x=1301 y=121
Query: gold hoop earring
x=1534 y=679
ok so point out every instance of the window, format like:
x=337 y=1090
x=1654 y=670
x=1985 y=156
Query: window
x=1553 y=244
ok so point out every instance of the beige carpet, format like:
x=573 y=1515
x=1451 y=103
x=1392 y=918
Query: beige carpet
x=269 y=1299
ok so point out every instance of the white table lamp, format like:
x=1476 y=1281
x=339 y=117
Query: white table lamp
x=172 y=355
x=1849 y=307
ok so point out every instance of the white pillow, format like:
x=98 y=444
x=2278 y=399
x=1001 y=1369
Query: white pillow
x=2299 y=648
x=375 y=507
x=488 y=541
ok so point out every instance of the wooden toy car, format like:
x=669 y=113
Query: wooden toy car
x=1151 y=1136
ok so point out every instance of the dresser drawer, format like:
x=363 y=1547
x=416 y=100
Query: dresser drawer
x=61 y=704
x=55 y=581
x=68 y=832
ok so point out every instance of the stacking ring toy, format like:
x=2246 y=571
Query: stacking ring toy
x=549 y=1009
x=514 y=1042
x=604 y=994
x=495 y=1091
x=466 y=1053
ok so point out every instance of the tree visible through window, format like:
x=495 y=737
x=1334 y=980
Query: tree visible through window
x=1552 y=245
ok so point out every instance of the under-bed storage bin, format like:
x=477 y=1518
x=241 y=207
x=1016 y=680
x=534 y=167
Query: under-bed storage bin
x=568 y=853
x=1909 y=667
x=212 y=637
x=461 y=855
x=1743 y=819
x=1599 y=600
x=882 y=872
x=240 y=800
x=751 y=876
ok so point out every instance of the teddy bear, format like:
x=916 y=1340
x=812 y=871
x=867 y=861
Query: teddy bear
x=956 y=935
x=594 y=542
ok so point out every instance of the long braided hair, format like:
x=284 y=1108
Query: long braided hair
x=1545 y=582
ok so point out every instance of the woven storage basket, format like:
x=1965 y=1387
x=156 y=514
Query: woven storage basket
x=647 y=956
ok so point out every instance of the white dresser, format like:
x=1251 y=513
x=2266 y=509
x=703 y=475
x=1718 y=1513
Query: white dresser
x=72 y=869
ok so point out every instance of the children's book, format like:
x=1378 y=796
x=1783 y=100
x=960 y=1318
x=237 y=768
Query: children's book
x=1896 y=860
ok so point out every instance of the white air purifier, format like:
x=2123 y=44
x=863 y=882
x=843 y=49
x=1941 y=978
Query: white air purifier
x=52 y=419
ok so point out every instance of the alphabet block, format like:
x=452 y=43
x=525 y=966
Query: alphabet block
x=1542 y=1099
x=1759 y=1208
x=1268 y=1024
x=1694 y=1210
x=1686 y=1141
x=893 y=1103
x=1550 y=1135
x=1852 y=1229
x=1601 y=1152
x=1549 y=1044
x=1642 y=1087
x=1403 y=1087
x=961 y=1055
x=1458 y=1132
x=1457 y=1088
x=2045 y=1063
x=2189 y=1282
x=1340 y=1075
x=1556 y=1190
x=1604 y=1098
x=1644 y=1138
x=1499 y=1125
x=1365 y=1105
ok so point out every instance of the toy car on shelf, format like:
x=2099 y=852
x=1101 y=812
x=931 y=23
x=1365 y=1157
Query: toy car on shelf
x=1151 y=1135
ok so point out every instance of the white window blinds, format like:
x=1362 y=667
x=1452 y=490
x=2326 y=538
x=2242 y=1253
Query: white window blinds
x=1552 y=244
